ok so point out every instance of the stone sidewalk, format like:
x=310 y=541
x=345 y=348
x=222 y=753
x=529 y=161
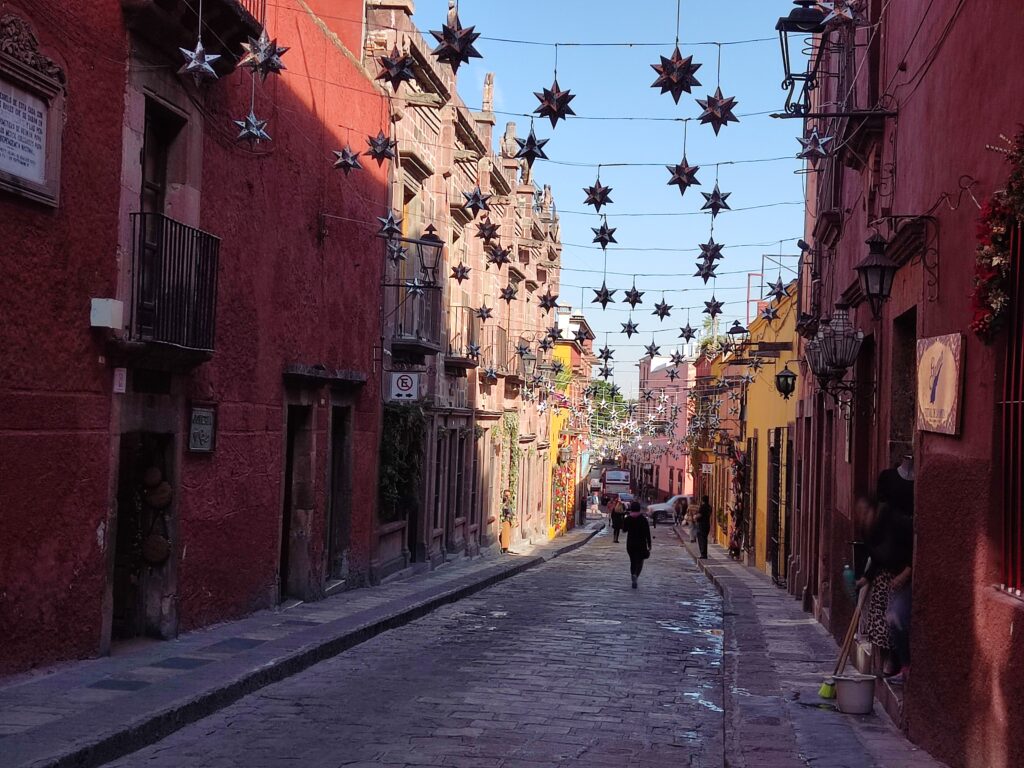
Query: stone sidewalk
x=86 y=713
x=776 y=657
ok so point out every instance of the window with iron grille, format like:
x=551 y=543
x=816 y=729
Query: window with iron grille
x=1012 y=421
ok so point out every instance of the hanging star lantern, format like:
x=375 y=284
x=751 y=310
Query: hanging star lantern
x=382 y=147
x=648 y=394
x=839 y=12
x=554 y=333
x=813 y=148
x=769 y=313
x=615 y=390
x=476 y=201
x=522 y=349
x=530 y=149
x=455 y=43
x=652 y=349
x=713 y=307
x=714 y=201
x=460 y=273
x=604 y=235
x=396 y=251
x=777 y=289
x=633 y=297
x=606 y=372
x=598 y=195
x=199 y=64
x=546 y=343
x=389 y=226
x=347 y=160
x=508 y=293
x=661 y=309
x=252 y=130
x=554 y=103
x=718 y=110
x=683 y=176
x=603 y=296
x=711 y=251
x=548 y=301
x=263 y=56
x=673 y=374
x=472 y=350
x=581 y=336
x=396 y=68
x=484 y=313
x=687 y=333
x=557 y=367
x=676 y=74
x=497 y=255
x=606 y=354
x=414 y=287
x=677 y=358
x=490 y=374
x=629 y=328
x=486 y=230
x=756 y=363
x=705 y=270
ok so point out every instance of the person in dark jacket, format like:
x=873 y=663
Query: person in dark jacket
x=703 y=521
x=618 y=516
x=638 y=540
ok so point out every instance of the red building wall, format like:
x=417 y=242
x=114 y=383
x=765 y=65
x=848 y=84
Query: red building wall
x=295 y=287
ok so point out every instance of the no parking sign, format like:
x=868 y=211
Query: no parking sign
x=405 y=386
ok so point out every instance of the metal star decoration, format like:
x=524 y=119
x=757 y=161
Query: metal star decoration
x=777 y=289
x=397 y=252
x=414 y=287
x=705 y=270
x=676 y=74
x=198 y=63
x=713 y=307
x=554 y=103
x=606 y=372
x=548 y=301
x=497 y=255
x=530 y=149
x=756 y=363
x=769 y=313
x=633 y=297
x=455 y=43
x=396 y=68
x=490 y=374
x=508 y=293
x=557 y=367
x=606 y=354
x=718 y=110
x=522 y=349
x=677 y=358
x=476 y=201
x=673 y=374
x=263 y=56
x=484 y=313
x=711 y=251
x=615 y=390
x=629 y=328
x=389 y=226
x=603 y=296
x=581 y=336
x=253 y=129
x=734 y=395
x=554 y=333
x=604 y=235
x=687 y=333
x=714 y=201
x=598 y=195
x=683 y=176
x=839 y=12
x=472 y=350
x=486 y=230
x=347 y=160
x=661 y=309
x=813 y=148
x=648 y=394
x=747 y=378
x=460 y=273
x=382 y=147
x=652 y=349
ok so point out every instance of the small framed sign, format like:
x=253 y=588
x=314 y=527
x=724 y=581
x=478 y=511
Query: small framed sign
x=202 y=428
x=939 y=383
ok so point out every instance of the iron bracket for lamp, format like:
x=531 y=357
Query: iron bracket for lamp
x=928 y=255
x=826 y=115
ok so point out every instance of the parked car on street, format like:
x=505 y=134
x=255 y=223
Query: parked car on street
x=666 y=510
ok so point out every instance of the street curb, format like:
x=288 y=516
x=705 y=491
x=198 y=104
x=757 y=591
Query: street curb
x=154 y=726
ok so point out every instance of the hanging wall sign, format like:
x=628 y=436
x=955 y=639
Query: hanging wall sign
x=939 y=383
x=405 y=386
x=202 y=430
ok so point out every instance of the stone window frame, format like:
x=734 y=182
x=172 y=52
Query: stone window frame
x=22 y=64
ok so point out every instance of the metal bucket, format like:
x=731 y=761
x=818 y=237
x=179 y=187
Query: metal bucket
x=855 y=694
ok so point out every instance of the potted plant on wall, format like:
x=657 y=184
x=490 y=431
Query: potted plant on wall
x=508 y=519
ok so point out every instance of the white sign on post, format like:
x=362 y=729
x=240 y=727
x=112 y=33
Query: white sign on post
x=405 y=386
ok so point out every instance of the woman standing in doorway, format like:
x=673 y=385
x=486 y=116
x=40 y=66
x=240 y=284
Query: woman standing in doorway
x=638 y=541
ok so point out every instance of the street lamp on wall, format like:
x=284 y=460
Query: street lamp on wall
x=430 y=248
x=876 y=273
x=785 y=382
x=804 y=21
x=737 y=333
x=529 y=363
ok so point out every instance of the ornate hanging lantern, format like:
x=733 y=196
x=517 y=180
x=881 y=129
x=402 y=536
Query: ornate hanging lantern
x=785 y=382
x=876 y=273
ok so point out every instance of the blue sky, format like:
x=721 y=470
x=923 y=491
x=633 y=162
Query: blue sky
x=615 y=82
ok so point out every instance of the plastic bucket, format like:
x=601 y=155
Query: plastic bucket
x=855 y=694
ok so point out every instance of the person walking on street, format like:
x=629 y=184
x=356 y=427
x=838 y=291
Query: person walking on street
x=638 y=541
x=703 y=523
x=618 y=515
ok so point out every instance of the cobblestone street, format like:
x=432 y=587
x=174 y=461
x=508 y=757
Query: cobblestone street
x=561 y=665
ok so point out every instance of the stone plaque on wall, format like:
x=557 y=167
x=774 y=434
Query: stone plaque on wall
x=939 y=383
x=31 y=114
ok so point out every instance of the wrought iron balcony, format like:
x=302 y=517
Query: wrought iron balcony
x=174 y=284
x=464 y=340
x=413 y=317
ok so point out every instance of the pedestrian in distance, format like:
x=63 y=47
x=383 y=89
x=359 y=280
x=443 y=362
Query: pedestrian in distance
x=618 y=516
x=681 y=508
x=638 y=541
x=703 y=523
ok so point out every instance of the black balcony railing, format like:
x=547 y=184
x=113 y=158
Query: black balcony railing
x=174 y=283
x=463 y=331
x=414 y=318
